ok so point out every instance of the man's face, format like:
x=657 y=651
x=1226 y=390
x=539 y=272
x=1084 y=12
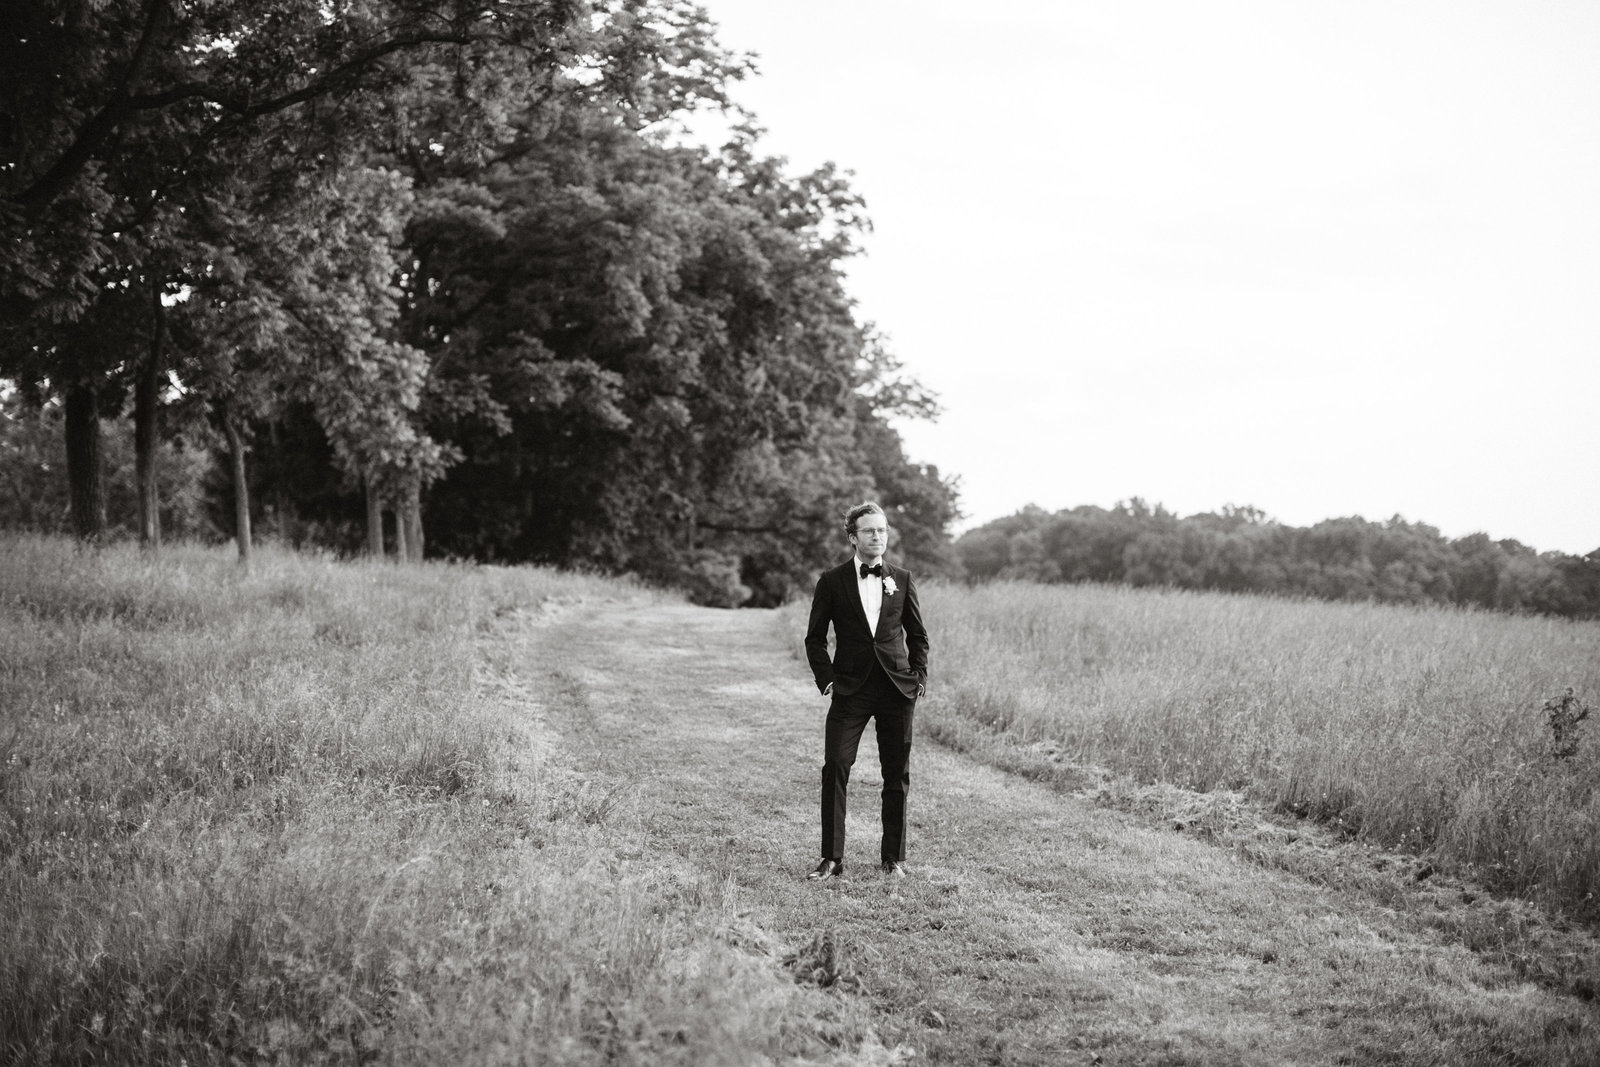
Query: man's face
x=871 y=537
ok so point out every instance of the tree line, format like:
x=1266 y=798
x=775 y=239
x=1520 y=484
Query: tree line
x=1239 y=549
x=434 y=275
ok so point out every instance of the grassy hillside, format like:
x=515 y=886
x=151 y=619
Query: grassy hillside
x=302 y=815
x=1419 y=729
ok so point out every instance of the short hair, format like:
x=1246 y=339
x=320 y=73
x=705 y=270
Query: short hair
x=853 y=516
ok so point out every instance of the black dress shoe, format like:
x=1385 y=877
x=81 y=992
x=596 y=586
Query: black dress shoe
x=827 y=869
x=893 y=869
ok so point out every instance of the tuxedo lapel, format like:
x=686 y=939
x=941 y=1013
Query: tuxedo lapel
x=890 y=609
x=851 y=578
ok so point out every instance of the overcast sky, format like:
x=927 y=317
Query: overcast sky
x=1324 y=258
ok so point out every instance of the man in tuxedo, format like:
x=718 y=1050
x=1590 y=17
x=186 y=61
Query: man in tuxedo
x=878 y=670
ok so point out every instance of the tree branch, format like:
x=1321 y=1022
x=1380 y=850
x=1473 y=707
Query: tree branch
x=339 y=77
x=53 y=183
x=124 y=102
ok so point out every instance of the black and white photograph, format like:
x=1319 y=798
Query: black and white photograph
x=740 y=532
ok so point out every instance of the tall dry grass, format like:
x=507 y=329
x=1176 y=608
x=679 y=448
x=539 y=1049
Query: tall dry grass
x=1417 y=728
x=294 y=816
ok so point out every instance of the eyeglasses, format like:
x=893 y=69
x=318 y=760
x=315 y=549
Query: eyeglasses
x=870 y=531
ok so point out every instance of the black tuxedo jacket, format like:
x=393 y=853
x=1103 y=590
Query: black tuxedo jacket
x=900 y=642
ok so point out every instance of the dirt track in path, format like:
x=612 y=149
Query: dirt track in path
x=1034 y=927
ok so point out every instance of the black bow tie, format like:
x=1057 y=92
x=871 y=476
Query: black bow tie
x=876 y=568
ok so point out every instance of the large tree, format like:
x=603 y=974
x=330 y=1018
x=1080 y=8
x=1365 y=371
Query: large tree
x=292 y=300
x=647 y=355
x=118 y=118
x=462 y=231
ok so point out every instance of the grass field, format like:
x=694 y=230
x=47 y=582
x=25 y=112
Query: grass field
x=336 y=812
x=1417 y=729
x=297 y=816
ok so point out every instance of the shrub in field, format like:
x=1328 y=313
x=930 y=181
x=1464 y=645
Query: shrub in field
x=1564 y=714
x=1422 y=728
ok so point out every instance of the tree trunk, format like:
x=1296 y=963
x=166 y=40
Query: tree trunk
x=402 y=550
x=412 y=510
x=84 y=474
x=286 y=521
x=146 y=427
x=241 y=488
x=374 y=520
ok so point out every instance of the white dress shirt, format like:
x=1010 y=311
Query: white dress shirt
x=871 y=589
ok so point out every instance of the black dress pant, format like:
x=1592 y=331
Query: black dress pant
x=891 y=712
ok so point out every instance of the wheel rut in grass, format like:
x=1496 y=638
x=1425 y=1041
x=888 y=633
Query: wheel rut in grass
x=1034 y=928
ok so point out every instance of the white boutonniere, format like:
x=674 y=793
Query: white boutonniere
x=888 y=585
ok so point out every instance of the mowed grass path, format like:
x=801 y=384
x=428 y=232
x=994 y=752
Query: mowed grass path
x=1034 y=928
